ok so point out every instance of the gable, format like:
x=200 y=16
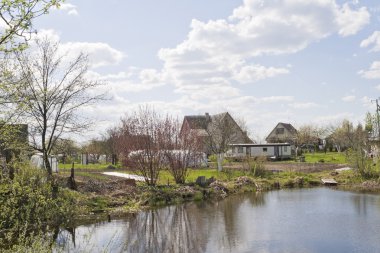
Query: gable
x=282 y=130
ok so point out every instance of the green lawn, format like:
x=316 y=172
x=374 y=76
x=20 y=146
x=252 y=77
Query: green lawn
x=329 y=157
x=96 y=166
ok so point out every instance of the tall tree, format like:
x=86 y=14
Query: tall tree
x=16 y=18
x=49 y=91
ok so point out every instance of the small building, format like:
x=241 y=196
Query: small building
x=276 y=151
x=37 y=161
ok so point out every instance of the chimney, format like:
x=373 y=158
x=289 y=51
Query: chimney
x=208 y=118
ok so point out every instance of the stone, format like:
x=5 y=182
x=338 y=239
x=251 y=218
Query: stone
x=201 y=180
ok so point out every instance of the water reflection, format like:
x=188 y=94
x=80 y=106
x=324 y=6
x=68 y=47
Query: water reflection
x=317 y=220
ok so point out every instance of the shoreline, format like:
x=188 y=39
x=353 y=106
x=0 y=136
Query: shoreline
x=124 y=199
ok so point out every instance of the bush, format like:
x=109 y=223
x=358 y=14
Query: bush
x=28 y=205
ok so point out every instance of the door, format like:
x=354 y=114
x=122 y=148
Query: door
x=276 y=152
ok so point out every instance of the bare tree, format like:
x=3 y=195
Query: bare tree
x=144 y=137
x=16 y=18
x=48 y=93
x=221 y=132
x=183 y=150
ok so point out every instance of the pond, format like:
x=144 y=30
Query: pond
x=302 y=220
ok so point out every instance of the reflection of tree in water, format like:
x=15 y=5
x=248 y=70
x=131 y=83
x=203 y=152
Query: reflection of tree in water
x=165 y=230
x=360 y=203
x=257 y=199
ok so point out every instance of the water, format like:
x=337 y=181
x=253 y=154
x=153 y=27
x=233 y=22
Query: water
x=303 y=220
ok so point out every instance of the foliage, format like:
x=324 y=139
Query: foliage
x=17 y=17
x=28 y=205
x=66 y=147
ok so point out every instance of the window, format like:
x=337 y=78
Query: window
x=285 y=149
x=280 y=131
x=265 y=149
x=240 y=149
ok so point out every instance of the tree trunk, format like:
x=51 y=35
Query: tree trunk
x=219 y=159
x=47 y=164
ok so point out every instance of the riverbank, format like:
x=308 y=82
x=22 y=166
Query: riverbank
x=102 y=195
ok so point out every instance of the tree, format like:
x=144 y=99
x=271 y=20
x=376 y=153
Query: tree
x=47 y=93
x=310 y=135
x=221 y=131
x=16 y=18
x=183 y=150
x=144 y=137
x=67 y=148
x=342 y=136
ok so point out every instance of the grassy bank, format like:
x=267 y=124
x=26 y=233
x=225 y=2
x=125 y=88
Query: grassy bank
x=100 y=194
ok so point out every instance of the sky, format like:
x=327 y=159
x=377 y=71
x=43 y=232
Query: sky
x=295 y=61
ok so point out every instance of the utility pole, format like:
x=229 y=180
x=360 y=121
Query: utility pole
x=377 y=117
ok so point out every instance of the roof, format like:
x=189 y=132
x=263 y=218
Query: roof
x=288 y=126
x=259 y=145
x=201 y=122
x=196 y=121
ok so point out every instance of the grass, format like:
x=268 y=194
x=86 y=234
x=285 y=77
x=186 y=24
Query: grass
x=329 y=157
x=96 y=166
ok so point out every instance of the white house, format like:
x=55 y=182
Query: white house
x=271 y=150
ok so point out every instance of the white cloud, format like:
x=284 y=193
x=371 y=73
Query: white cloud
x=100 y=54
x=132 y=80
x=307 y=105
x=373 y=72
x=252 y=73
x=275 y=99
x=351 y=21
x=368 y=103
x=373 y=39
x=378 y=87
x=71 y=9
x=334 y=118
x=348 y=98
x=218 y=53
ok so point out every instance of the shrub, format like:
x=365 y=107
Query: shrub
x=28 y=205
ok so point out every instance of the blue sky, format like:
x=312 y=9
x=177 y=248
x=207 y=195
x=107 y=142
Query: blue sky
x=295 y=61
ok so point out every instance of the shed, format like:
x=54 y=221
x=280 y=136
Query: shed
x=270 y=150
x=37 y=161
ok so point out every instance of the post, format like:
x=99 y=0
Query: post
x=378 y=118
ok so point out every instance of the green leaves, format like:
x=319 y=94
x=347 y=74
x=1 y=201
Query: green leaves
x=17 y=17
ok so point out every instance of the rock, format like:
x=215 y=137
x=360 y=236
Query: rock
x=241 y=181
x=219 y=188
x=201 y=181
x=334 y=173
